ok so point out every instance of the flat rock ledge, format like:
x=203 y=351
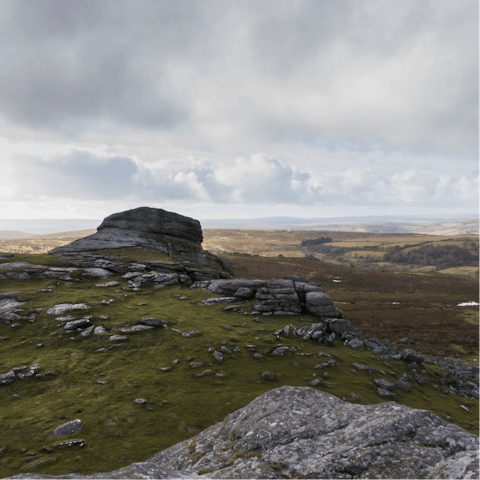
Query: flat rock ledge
x=300 y=432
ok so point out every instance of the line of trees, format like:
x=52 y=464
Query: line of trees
x=441 y=257
x=316 y=241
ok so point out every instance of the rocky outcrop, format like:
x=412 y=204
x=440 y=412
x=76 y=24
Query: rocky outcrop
x=177 y=236
x=157 y=221
x=288 y=296
x=300 y=432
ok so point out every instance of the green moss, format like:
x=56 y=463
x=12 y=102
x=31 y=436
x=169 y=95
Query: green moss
x=117 y=431
x=40 y=259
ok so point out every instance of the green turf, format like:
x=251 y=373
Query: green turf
x=179 y=404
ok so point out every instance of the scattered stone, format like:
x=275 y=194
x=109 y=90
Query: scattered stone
x=64 y=307
x=206 y=372
x=115 y=338
x=268 y=376
x=280 y=350
x=383 y=392
x=383 y=384
x=165 y=369
x=257 y=355
x=196 y=364
x=140 y=401
x=221 y=375
x=355 y=343
x=99 y=330
x=102 y=382
x=227 y=327
x=108 y=284
x=218 y=356
x=68 y=428
x=315 y=382
x=404 y=386
x=7 y=378
x=225 y=350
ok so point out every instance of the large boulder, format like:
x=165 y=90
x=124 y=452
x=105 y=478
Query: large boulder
x=177 y=236
x=155 y=220
x=301 y=432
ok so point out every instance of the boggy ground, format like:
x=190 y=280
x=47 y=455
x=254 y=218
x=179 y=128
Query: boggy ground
x=394 y=305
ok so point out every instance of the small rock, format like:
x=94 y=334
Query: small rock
x=227 y=327
x=315 y=382
x=268 y=376
x=114 y=338
x=206 y=372
x=218 y=356
x=384 y=384
x=196 y=364
x=257 y=355
x=68 y=428
x=99 y=330
x=383 y=392
x=140 y=401
x=225 y=350
x=102 y=382
x=221 y=375
x=165 y=369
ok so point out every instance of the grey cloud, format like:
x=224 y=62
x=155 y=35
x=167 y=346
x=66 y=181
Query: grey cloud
x=79 y=175
x=257 y=69
x=258 y=180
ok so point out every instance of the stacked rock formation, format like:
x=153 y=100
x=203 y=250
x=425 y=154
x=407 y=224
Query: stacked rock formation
x=300 y=432
x=289 y=296
x=149 y=228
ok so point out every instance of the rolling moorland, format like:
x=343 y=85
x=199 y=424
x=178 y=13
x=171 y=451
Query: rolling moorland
x=99 y=380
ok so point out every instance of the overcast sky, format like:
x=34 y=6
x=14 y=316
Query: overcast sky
x=238 y=108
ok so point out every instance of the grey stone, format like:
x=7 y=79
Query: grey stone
x=108 y=284
x=7 y=378
x=97 y=272
x=87 y=331
x=315 y=382
x=74 y=324
x=280 y=350
x=404 y=386
x=339 y=326
x=295 y=432
x=115 y=338
x=409 y=355
x=244 y=292
x=154 y=322
x=384 y=384
x=156 y=221
x=218 y=356
x=383 y=392
x=64 y=307
x=355 y=343
x=140 y=401
x=225 y=350
x=206 y=372
x=68 y=428
x=268 y=376
x=99 y=330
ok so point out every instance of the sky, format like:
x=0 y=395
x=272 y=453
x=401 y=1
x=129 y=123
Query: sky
x=239 y=108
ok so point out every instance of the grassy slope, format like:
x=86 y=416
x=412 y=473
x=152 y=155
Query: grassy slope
x=179 y=405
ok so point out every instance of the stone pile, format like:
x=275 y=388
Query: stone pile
x=289 y=296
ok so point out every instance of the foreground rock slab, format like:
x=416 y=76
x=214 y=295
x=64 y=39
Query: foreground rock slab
x=305 y=433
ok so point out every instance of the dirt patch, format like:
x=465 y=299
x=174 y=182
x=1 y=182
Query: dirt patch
x=421 y=307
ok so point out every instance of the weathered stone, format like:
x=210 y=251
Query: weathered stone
x=383 y=392
x=355 y=343
x=140 y=401
x=409 y=355
x=64 y=307
x=154 y=322
x=68 y=428
x=97 y=272
x=306 y=433
x=268 y=376
x=7 y=378
x=115 y=338
x=384 y=384
x=338 y=326
x=74 y=324
x=157 y=221
x=218 y=356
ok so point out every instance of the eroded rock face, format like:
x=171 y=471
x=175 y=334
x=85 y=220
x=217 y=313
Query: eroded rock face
x=155 y=220
x=300 y=432
x=148 y=228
